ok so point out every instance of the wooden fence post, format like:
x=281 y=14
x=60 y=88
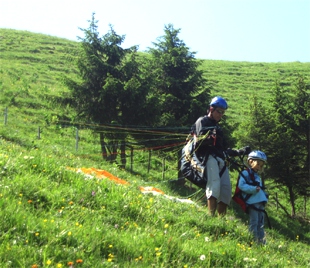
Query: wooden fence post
x=39 y=133
x=164 y=163
x=149 y=163
x=131 y=158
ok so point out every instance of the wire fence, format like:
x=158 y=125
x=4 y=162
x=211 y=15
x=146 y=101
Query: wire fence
x=154 y=149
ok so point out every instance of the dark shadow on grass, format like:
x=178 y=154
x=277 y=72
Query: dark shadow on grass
x=281 y=223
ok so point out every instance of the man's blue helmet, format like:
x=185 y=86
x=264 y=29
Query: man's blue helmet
x=257 y=155
x=219 y=102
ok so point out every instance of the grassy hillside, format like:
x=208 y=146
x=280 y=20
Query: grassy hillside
x=54 y=215
x=39 y=62
x=239 y=81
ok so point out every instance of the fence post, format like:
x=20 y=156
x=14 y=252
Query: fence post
x=131 y=158
x=149 y=164
x=39 y=133
x=5 y=115
x=76 y=139
x=164 y=163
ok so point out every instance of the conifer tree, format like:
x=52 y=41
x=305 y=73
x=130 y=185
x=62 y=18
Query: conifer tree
x=110 y=89
x=177 y=80
x=288 y=145
x=301 y=132
x=281 y=130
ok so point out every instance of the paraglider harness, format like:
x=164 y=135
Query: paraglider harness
x=192 y=166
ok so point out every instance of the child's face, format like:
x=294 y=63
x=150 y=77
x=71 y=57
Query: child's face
x=256 y=165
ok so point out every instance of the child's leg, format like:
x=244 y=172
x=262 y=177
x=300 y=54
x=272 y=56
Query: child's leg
x=260 y=227
x=253 y=222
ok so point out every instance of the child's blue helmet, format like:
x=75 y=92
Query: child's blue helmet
x=257 y=155
x=219 y=102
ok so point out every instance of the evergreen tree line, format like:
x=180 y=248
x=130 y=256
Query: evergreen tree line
x=165 y=88
x=119 y=86
x=281 y=128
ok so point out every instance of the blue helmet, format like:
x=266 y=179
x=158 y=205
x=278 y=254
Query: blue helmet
x=219 y=102
x=257 y=155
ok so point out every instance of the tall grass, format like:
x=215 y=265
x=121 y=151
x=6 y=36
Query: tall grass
x=52 y=216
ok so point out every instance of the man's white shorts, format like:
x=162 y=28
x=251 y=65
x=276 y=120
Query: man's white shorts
x=218 y=187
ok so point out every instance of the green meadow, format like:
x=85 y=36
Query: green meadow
x=55 y=214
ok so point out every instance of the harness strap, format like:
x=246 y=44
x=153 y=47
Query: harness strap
x=223 y=168
x=250 y=183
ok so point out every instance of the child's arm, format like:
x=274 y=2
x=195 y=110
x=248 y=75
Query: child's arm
x=244 y=186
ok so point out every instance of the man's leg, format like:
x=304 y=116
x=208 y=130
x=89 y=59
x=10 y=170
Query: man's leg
x=212 y=203
x=225 y=196
x=221 y=208
x=213 y=184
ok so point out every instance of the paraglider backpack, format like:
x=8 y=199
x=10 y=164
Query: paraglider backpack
x=194 y=168
x=238 y=197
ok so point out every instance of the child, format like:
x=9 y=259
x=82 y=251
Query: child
x=252 y=190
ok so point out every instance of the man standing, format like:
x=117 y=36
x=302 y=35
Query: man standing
x=210 y=144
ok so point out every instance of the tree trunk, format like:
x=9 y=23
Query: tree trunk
x=292 y=200
x=103 y=146
x=123 y=154
x=283 y=207
x=114 y=151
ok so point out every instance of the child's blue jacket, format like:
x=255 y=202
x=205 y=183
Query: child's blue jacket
x=256 y=197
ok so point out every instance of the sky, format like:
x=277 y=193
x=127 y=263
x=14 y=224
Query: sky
x=233 y=30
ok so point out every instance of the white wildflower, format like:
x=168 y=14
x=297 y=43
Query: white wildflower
x=248 y=259
x=202 y=257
